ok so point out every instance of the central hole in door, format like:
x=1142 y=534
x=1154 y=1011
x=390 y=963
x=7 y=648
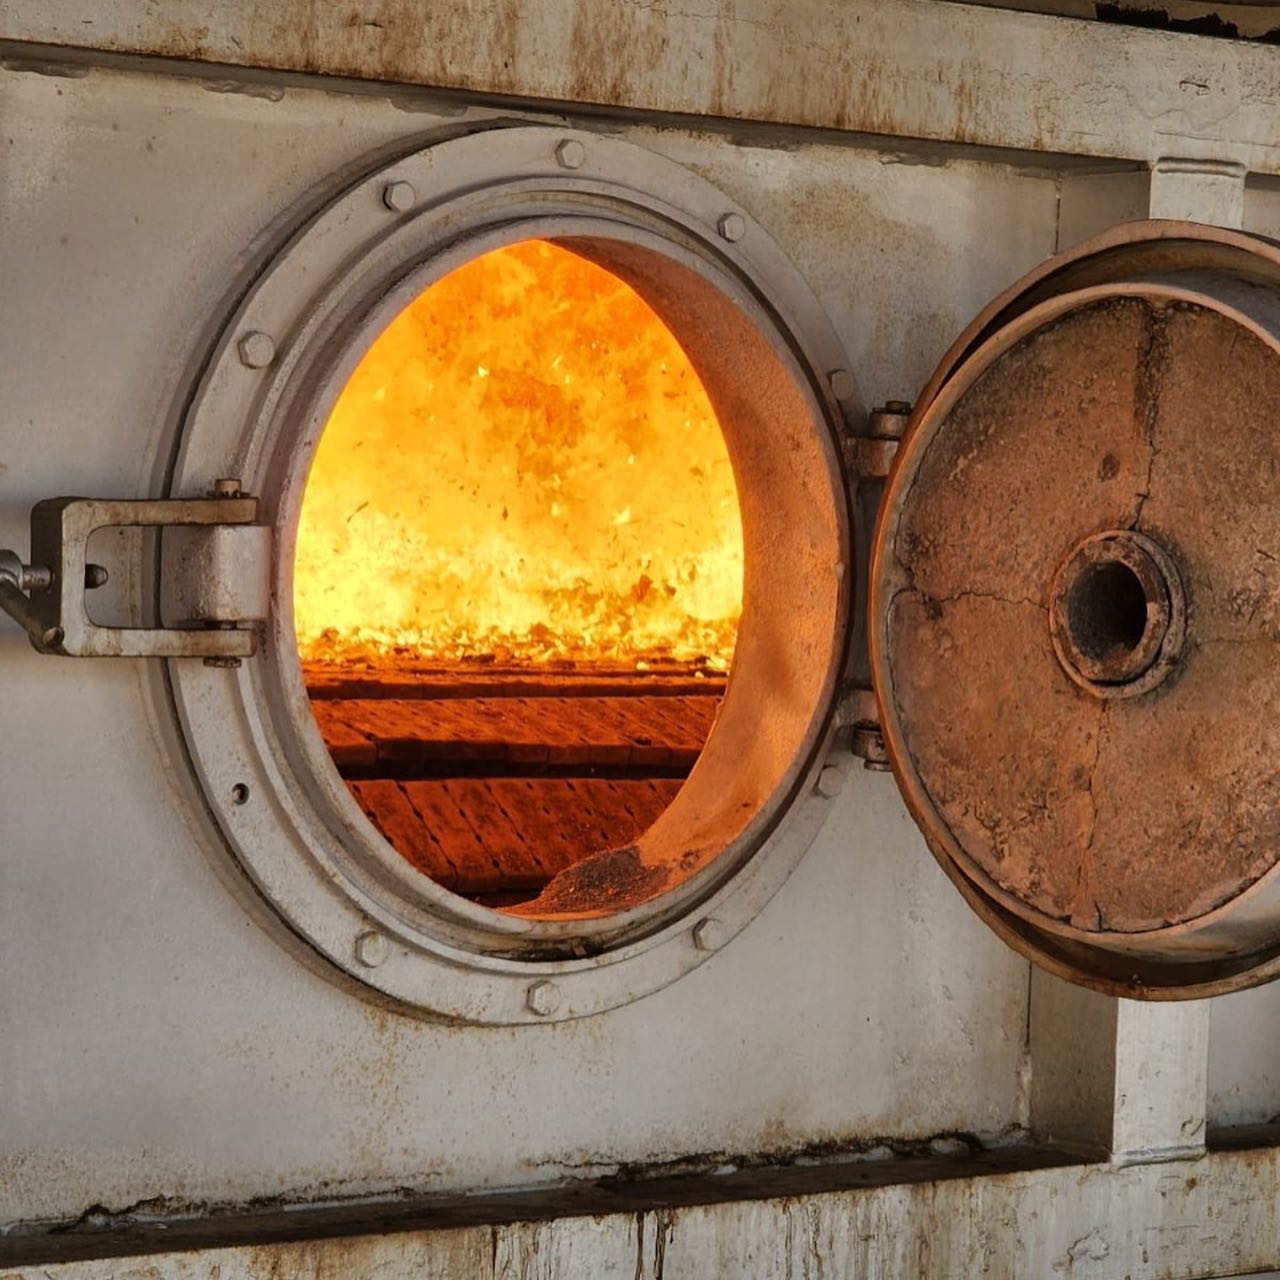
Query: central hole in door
x=1107 y=610
x=518 y=578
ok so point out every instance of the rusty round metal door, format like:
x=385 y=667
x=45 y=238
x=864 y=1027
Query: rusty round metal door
x=1075 y=606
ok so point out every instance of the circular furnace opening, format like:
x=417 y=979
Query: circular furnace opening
x=518 y=581
x=633 y=917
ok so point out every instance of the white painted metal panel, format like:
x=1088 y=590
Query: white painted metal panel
x=157 y=1045
x=164 y=1045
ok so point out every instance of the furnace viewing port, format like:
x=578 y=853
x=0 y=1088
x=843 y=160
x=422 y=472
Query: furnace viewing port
x=518 y=580
x=500 y=586
x=545 y=430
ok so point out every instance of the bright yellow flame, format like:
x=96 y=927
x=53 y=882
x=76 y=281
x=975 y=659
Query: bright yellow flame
x=524 y=464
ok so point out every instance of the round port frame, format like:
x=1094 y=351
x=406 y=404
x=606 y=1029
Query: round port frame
x=767 y=352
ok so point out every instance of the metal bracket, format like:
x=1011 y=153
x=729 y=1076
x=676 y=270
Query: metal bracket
x=47 y=596
x=859 y=712
x=871 y=454
x=870 y=458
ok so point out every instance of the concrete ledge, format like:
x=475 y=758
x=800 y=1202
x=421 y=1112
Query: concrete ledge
x=1004 y=1213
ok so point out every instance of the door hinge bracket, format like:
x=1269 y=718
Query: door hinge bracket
x=216 y=563
x=869 y=457
x=860 y=714
x=870 y=454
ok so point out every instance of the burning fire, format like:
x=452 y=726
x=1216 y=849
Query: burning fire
x=524 y=465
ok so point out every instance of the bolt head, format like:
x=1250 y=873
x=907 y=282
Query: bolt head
x=256 y=350
x=570 y=154
x=868 y=743
x=732 y=226
x=709 y=934
x=830 y=782
x=842 y=384
x=399 y=197
x=889 y=422
x=543 y=998
x=372 y=949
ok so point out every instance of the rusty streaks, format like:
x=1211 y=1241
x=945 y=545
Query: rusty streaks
x=944 y=73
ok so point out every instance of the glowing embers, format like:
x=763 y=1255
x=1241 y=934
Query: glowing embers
x=524 y=465
x=518 y=579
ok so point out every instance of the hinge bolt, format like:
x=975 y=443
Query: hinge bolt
x=26 y=577
x=843 y=387
x=830 y=782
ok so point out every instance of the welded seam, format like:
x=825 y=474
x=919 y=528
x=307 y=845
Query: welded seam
x=984 y=595
x=1085 y=878
x=1146 y=409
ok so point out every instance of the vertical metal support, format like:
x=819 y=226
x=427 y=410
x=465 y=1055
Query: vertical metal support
x=1162 y=1050
x=870 y=459
x=1161 y=1080
x=1210 y=191
x=1072 y=1042
x=1124 y=1077
x=1120 y=1078
x=1090 y=202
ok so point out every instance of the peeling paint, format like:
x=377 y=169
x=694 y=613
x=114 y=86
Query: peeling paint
x=1145 y=1222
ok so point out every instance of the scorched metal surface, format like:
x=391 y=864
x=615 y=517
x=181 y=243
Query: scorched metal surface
x=1073 y=610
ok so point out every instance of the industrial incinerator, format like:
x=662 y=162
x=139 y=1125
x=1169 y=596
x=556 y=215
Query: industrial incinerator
x=639 y=640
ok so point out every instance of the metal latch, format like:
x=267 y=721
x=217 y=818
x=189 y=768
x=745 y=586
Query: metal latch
x=870 y=457
x=216 y=564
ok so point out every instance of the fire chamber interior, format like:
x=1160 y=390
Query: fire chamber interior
x=518 y=581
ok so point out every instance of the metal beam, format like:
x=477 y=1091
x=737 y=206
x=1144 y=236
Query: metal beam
x=911 y=68
x=1092 y=1222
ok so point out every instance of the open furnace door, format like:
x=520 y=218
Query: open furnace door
x=1074 y=608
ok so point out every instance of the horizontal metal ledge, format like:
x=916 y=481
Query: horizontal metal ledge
x=147 y=1229
x=1023 y=1211
x=905 y=68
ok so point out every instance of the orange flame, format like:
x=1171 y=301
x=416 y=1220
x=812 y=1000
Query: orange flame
x=524 y=464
